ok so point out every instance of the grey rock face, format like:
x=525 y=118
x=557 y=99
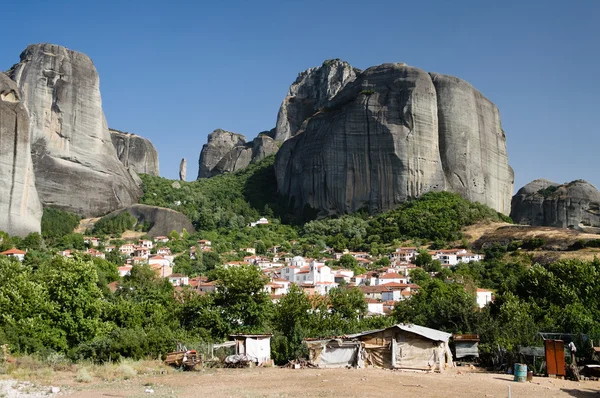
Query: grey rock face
x=544 y=203
x=472 y=144
x=135 y=152
x=312 y=90
x=75 y=162
x=182 y=169
x=238 y=157
x=390 y=135
x=162 y=220
x=20 y=207
x=220 y=142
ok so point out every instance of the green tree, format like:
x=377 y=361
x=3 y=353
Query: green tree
x=349 y=303
x=240 y=293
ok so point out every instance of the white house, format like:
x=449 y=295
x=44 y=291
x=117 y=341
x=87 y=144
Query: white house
x=127 y=249
x=125 y=270
x=388 y=277
x=262 y=221
x=374 y=307
x=141 y=251
x=159 y=260
x=469 y=257
x=15 y=253
x=449 y=257
x=148 y=244
x=161 y=239
x=404 y=254
x=249 y=250
x=484 y=297
x=179 y=280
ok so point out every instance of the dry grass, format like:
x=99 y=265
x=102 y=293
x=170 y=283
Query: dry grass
x=85 y=224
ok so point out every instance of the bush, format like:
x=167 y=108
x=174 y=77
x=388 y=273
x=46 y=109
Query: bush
x=115 y=224
x=83 y=376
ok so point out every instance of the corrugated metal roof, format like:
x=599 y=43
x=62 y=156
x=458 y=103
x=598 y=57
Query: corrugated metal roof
x=431 y=334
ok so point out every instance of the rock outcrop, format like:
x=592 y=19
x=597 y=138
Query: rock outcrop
x=135 y=152
x=228 y=152
x=182 y=169
x=75 y=162
x=220 y=142
x=312 y=90
x=20 y=207
x=162 y=220
x=571 y=205
x=394 y=133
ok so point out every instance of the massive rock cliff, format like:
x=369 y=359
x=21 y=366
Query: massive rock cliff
x=135 y=152
x=75 y=163
x=20 y=207
x=312 y=89
x=571 y=205
x=227 y=152
x=393 y=133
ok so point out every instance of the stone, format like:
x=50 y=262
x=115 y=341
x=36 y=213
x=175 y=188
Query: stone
x=76 y=165
x=162 y=220
x=182 y=169
x=20 y=206
x=135 y=152
x=545 y=203
x=238 y=157
x=390 y=135
x=472 y=144
x=220 y=142
x=313 y=88
x=176 y=185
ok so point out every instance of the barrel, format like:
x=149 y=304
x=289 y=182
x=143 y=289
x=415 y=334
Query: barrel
x=520 y=372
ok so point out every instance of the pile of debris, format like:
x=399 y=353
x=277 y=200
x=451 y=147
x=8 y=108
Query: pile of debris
x=299 y=364
x=239 y=361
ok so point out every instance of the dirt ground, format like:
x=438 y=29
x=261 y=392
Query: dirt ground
x=277 y=382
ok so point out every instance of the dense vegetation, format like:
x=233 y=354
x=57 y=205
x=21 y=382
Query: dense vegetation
x=50 y=304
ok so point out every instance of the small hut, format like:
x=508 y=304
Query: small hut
x=402 y=346
x=255 y=346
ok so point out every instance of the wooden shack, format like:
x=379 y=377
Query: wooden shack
x=402 y=346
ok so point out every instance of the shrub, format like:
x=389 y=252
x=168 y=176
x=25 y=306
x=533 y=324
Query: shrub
x=367 y=92
x=115 y=224
x=83 y=376
x=57 y=223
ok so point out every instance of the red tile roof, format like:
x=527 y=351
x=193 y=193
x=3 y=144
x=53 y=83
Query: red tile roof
x=14 y=250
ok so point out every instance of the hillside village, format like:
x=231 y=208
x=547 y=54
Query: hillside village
x=381 y=286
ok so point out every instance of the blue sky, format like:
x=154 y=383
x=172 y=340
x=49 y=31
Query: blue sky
x=173 y=71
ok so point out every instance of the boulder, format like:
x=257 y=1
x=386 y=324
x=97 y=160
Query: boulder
x=220 y=142
x=135 y=152
x=20 y=206
x=313 y=88
x=388 y=136
x=162 y=220
x=571 y=205
x=238 y=157
x=75 y=162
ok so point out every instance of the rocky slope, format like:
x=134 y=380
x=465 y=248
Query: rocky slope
x=312 y=89
x=228 y=152
x=393 y=133
x=571 y=205
x=20 y=207
x=75 y=162
x=162 y=221
x=135 y=152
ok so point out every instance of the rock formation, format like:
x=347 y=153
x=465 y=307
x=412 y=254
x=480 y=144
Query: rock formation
x=393 y=133
x=571 y=205
x=182 y=169
x=20 y=207
x=162 y=220
x=75 y=162
x=312 y=89
x=220 y=142
x=228 y=152
x=135 y=152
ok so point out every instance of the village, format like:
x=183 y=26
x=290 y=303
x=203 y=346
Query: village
x=381 y=286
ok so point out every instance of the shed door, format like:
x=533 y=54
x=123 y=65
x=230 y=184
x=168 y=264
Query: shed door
x=555 y=357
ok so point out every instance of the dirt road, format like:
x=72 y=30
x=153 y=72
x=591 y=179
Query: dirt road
x=275 y=382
